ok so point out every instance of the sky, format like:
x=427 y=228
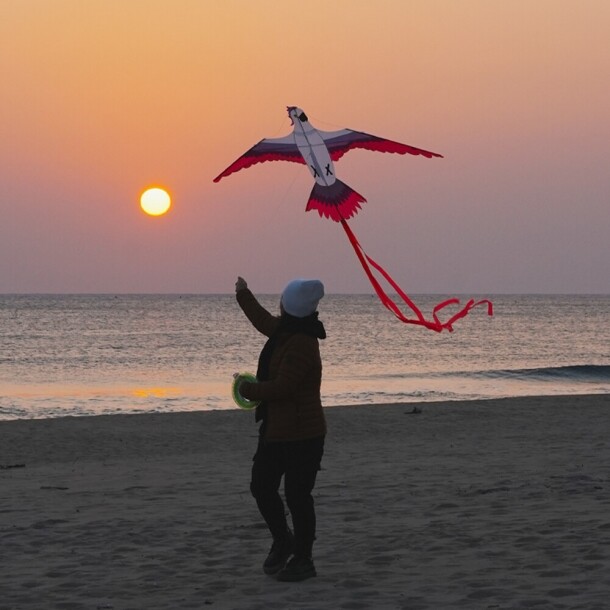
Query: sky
x=102 y=98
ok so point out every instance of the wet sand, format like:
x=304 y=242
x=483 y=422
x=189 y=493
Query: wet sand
x=488 y=504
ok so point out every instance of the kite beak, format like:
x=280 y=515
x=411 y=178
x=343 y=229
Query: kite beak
x=289 y=109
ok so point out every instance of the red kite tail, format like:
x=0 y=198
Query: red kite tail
x=336 y=201
x=367 y=262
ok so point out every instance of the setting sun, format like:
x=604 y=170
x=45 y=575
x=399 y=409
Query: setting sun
x=155 y=201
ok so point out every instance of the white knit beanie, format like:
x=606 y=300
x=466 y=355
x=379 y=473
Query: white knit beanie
x=300 y=297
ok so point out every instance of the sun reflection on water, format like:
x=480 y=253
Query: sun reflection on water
x=156 y=392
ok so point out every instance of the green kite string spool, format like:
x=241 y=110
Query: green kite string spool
x=240 y=401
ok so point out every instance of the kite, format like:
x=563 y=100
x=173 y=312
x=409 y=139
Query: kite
x=336 y=200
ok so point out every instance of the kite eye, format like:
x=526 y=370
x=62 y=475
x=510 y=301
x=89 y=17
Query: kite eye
x=302 y=117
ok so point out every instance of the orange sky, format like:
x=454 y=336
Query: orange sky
x=103 y=97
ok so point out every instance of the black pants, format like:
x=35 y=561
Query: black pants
x=298 y=462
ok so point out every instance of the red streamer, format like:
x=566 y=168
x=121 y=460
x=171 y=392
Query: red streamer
x=420 y=320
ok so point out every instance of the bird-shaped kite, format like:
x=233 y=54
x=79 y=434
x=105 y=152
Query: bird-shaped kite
x=334 y=199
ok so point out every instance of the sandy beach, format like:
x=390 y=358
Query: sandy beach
x=489 y=504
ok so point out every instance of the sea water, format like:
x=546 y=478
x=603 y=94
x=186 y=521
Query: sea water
x=101 y=354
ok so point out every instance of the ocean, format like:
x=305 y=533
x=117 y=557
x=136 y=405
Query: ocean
x=74 y=355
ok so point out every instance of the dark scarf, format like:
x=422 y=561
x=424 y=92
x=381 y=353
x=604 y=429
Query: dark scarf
x=289 y=325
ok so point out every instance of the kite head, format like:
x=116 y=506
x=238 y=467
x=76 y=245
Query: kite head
x=296 y=114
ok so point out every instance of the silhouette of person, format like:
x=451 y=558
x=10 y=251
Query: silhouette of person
x=293 y=426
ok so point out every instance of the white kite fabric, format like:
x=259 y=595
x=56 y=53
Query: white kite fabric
x=335 y=200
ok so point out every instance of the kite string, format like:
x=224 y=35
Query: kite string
x=437 y=325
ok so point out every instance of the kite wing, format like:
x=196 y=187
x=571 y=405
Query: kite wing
x=339 y=142
x=269 y=149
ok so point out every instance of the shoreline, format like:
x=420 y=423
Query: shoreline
x=469 y=504
x=229 y=405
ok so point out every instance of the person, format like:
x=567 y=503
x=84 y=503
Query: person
x=293 y=426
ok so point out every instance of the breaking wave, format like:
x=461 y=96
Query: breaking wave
x=576 y=373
